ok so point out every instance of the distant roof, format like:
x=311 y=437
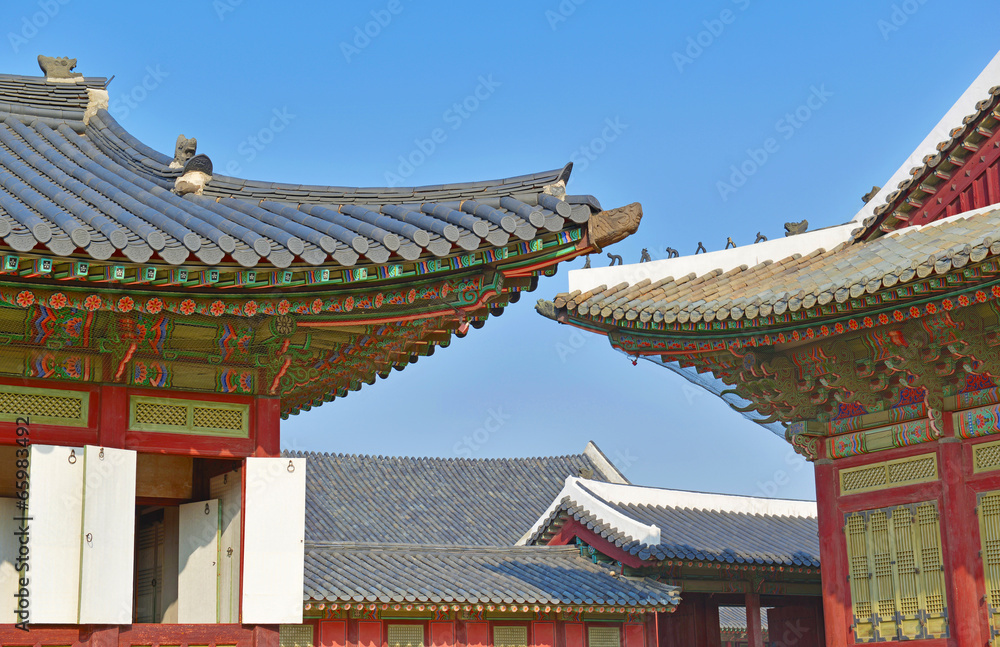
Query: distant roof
x=107 y=193
x=658 y=524
x=472 y=574
x=443 y=501
x=734 y=619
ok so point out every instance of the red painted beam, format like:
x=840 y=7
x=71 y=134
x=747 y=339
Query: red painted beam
x=573 y=528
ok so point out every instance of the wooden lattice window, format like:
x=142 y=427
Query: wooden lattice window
x=189 y=417
x=405 y=635
x=295 y=636
x=986 y=457
x=604 y=637
x=878 y=476
x=510 y=636
x=45 y=406
x=896 y=573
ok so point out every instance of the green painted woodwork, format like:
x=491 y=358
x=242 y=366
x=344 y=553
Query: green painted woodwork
x=174 y=416
x=44 y=406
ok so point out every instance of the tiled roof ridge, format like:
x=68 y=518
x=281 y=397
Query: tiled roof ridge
x=975 y=102
x=801 y=280
x=714 y=501
x=155 y=166
x=433 y=548
x=438 y=459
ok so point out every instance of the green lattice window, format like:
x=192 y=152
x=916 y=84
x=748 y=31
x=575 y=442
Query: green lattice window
x=896 y=573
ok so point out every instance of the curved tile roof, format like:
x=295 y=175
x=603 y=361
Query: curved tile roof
x=71 y=178
x=462 y=501
x=472 y=574
x=798 y=282
x=690 y=526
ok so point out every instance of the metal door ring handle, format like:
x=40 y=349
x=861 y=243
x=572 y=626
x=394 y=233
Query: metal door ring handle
x=90 y=538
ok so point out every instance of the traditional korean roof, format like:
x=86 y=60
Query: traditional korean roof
x=944 y=173
x=121 y=264
x=656 y=524
x=443 y=501
x=733 y=620
x=75 y=181
x=556 y=576
x=821 y=287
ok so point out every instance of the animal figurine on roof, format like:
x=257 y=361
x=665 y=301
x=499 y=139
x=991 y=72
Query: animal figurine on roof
x=645 y=256
x=796 y=228
x=58 y=68
x=615 y=259
x=184 y=150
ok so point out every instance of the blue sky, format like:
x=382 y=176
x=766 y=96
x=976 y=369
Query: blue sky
x=654 y=102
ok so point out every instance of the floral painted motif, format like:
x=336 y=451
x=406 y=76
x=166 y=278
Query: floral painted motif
x=58 y=300
x=125 y=304
x=317 y=306
x=187 y=306
x=218 y=308
x=25 y=298
x=284 y=306
x=250 y=308
x=154 y=305
x=93 y=302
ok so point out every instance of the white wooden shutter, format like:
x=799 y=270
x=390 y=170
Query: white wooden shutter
x=273 y=544
x=197 y=563
x=55 y=504
x=227 y=488
x=9 y=545
x=108 y=536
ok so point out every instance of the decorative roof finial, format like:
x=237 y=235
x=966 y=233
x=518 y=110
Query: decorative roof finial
x=59 y=69
x=796 y=228
x=871 y=194
x=645 y=256
x=615 y=259
x=183 y=151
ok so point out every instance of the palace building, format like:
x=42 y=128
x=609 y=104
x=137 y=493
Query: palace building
x=872 y=347
x=158 y=319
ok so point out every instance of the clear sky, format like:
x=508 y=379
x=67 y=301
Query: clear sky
x=653 y=101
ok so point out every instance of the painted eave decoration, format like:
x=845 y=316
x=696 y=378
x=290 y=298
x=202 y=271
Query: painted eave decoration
x=119 y=263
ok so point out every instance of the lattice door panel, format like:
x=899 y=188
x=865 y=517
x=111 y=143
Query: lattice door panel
x=896 y=573
x=989 y=534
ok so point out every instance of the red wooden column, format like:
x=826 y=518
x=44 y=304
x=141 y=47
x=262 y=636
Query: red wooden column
x=112 y=417
x=755 y=635
x=960 y=530
x=837 y=614
x=713 y=628
x=267 y=423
